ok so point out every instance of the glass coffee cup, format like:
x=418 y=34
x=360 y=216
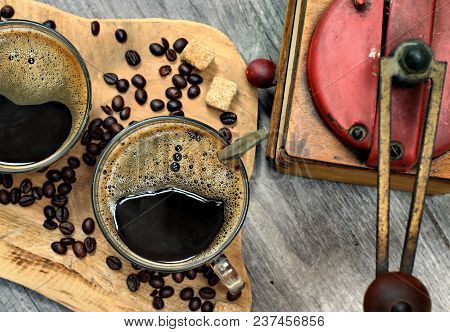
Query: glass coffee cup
x=45 y=96
x=165 y=201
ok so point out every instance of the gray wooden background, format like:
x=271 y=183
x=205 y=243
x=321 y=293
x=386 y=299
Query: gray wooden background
x=308 y=245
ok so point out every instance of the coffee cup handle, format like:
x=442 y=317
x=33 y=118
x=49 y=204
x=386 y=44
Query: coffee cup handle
x=227 y=274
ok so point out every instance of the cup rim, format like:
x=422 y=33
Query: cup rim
x=14 y=168
x=157 y=266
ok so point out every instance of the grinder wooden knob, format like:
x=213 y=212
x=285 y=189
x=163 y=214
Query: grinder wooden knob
x=397 y=291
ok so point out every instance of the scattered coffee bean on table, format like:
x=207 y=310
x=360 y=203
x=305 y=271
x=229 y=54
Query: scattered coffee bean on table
x=108 y=110
x=89 y=159
x=115 y=128
x=50 y=24
x=136 y=266
x=118 y=103
x=64 y=188
x=228 y=118
x=93 y=149
x=14 y=196
x=91 y=244
x=156 y=281
x=195 y=79
x=95 y=28
x=26 y=200
x=138 y=81
x=7 y=180
x=186 y=293
x=193 y=92
x=66 y=228
x=110 y=78
x=185 y=69
x=54 y=175
x=207 y=306
x=157 y=105
x=121 y=35
x=141 y=96
x=144 y=276
x=180 y=44
x=113 y=263
x=171 y=55
x=174 y=105
x=59 y=248
x=48 y=189
x=122 y=85
x=7 y=11
x=133 y=58
x=133 y=283
x=37 y=192
x=207 y=293
x=154 y=293
x=214 y=280
x=165 y=70
x=165 y=43
x=95 y=124
x=194 y=303
x=173 y=93
x=191 y=274
x=74 y=162
x=166 y=292
x=158 y=303
x=4 y=197
x=67 y=172
x=226 y=133
x=177 y=113
x=156 y=49
x=88 y=226
x=178 y=277
x=179 y=81
x=67 y=241
x=125 y=113
x=62 y=214
x=59 y=200
x=231 y=297
x=108 y=122
x=79 y=249
x=26 y=186
x=50 y=224
x=86 y=138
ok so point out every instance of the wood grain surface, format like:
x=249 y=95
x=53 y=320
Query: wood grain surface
x=308 y=245
x=88 y=284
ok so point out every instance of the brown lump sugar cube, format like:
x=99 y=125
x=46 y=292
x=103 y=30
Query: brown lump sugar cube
x=197 y=55
x=221 y=94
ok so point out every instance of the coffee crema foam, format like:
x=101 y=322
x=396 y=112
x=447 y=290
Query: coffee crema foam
x=36 y=68
x=140 y=163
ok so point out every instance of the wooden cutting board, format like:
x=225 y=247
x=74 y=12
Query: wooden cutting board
x=88 y=284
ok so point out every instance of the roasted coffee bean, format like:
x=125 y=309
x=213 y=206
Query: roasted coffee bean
x=115 y=128
x=54 y=175
x=118 y=103
x=86 y=138
x=26 y=200
x=121 y=35
x=97 y=122
x=171 y=55
x=59 y=248
x=67 y=241
x=110 y=78
x=186 y=293
x=138 y=81
x=96 y=133
x=122 y=85
x=50 y=24
x=195 y=79
x=4 y=197
x=178 y=277
x=73 y=162
x=177 y=113
x=154 y=293
x=91 y=244
x=144 y=276
x=136 y=266
x=179 y=81
x=108 y=110
x=231 y=297
x=180 y=44
x=14 y=196
x=174 y=105
x=26 y=186
x=207 y=306
x=158 y=303
x=185 y=69
x=102 y=145
x=95 y=28
x=37 y=193
x=166 y=292
x=201 y=269
x=79 y=249
x=93 y=149
x=207 y=293
x=49 y=212
x=59 y=200
x=7 y=11
x=42 y=170
x=62 y=214
x=88 y=226
x=133 y=283
x=157 y=105
x=48 y=189
x=113 y=263
x=156 y=281
x=165 y=43
x=193 y=92
x=70 y=181
x=156 y=49
x=108 y=122
x=208 y=272
x=228 y=118
x=66 y=228
x=107 y=137
x=67 y=172
x=194 y=303
x=7 y=180
x=125 y=113
x=165 y=70
x=133 y=58
x=226 y=133
x=191 y=274
x=50 y=224
x=173 y=93
x=64 y=188
x=214 y=280
x=141 y=96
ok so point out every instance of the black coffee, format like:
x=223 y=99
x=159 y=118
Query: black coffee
x=33 y=132
x=169 y=225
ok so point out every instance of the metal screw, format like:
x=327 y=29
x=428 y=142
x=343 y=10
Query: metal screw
x=360 y=4
x=396 y=150
x=358 y=132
